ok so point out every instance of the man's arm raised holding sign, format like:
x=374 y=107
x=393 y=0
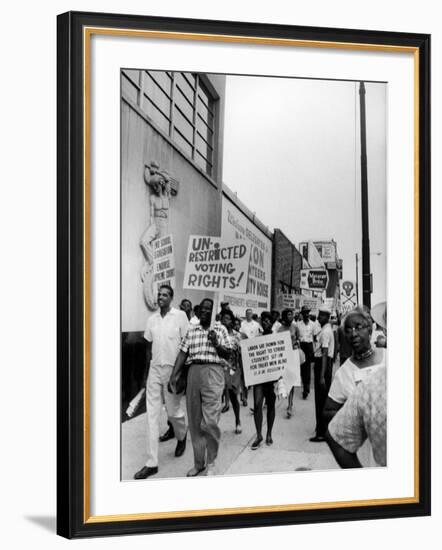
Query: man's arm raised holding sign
x=222 y=350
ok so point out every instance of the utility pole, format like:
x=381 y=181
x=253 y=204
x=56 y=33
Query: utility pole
x=366 y=274
x=357 y=279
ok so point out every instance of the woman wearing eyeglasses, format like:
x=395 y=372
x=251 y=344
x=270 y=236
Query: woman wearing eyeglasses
x=365 y=358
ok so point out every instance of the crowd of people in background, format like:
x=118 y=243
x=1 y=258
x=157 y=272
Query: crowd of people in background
x=194 y=363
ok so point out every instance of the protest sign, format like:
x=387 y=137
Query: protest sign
x=296 y=302
x=163 y=262
x=311 y=303
x=265 y=358
x=291 y=301
x=215 y=264
x=330 y=303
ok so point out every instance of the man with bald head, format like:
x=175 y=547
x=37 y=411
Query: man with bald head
x=203 y=349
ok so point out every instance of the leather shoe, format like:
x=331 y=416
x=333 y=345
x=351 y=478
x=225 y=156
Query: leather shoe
x=167 y=435
x=317 y=439
x=146 y=471
x=181 y=447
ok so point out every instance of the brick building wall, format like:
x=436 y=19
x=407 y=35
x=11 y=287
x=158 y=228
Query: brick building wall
x=287 y=265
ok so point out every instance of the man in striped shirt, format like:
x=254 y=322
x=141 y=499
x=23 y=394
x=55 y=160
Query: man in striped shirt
x=203 y=349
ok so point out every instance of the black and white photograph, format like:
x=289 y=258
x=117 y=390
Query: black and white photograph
x=253 y=274
x=221 y=202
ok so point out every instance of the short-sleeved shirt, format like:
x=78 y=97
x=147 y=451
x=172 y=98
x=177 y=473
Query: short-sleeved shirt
x=348 y=376
x=194 y=320
x=306 y=331
x=325 y=339
x=316 y=328
x=364 y=416
x=251 y=329
x=233 y=361
x=166 y=334
x=198 y=347
x=293 y=331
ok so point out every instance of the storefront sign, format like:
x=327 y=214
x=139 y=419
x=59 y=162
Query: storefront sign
x=327 y=250
x=291 y=301
x=314 y=279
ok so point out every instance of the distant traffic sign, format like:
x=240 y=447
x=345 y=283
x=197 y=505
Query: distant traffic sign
x=349 y=300
x=314 y=279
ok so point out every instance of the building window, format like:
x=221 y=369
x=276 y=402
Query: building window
x=180 y=105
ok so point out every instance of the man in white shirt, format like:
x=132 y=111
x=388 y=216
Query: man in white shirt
x=323 y=369
x=249 y=327
x=275 y=320
x=164 y=331
x=186 y=306
x=306 y=331
x=195 y=320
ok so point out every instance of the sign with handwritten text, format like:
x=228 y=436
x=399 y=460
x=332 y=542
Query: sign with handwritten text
x=163 y=262
x=265 y=358
x=215 y=264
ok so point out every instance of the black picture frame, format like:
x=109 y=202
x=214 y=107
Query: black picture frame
x=73 y=520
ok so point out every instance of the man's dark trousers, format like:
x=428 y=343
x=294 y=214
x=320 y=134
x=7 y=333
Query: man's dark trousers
x=321 y=393
x=306 y=367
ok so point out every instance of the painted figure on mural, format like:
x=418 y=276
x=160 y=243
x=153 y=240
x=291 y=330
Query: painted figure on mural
x=158 y=182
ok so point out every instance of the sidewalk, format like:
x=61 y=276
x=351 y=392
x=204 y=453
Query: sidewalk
x=290 y=451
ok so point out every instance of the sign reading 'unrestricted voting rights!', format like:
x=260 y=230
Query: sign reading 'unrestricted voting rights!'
x=213 y=263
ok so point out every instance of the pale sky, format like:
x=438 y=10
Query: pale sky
x=292 y=153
